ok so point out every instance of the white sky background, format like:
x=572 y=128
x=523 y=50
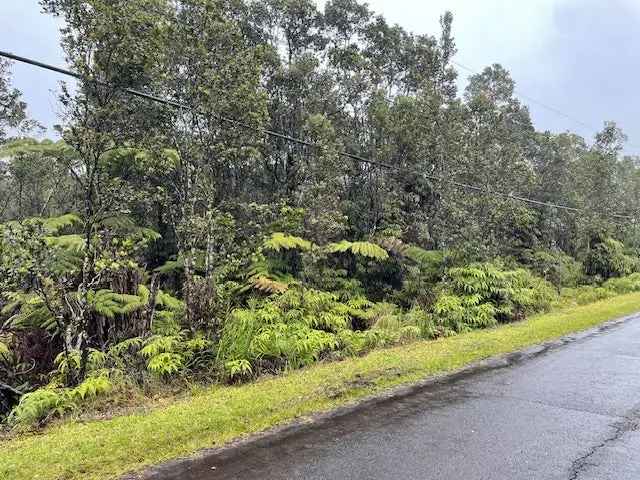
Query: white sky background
x=579 y=56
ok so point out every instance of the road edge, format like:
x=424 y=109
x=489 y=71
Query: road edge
x=208 y=457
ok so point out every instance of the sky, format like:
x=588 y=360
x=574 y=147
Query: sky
x=577 y=56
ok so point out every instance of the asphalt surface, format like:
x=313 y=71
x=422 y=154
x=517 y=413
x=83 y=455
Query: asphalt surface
x=570 y=413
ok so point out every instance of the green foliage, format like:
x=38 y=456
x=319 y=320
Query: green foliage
x=168 y=355
x=363 y=249
x=37 y=405
x=280 y=241
x=623 y=285
x=4 y=351
x=48 y=402
x=480 y=295
x=584 y=295
x=189 y=256
x=165 y=363
x=288 y=330
x=54 y=225
x=109 y=304
x=554 y=266
x=608 y=259
x=238 y=368
x=28 y=310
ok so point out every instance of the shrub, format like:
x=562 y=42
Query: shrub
x=481 y=294
x=554 y=266
x=608 y=259
x=284 y=331
x=584 y=295
x=48 y=402
x=622 y=285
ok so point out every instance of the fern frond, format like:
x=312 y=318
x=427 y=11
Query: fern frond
x=109 y=304
x=29 y=311
x=268 y=285
x=55 y=224
x=92 y=387
x=166 y=363
x=5 y=353
x=170 y=266
x=280 y=241
x=129 y=345
x=73 y=243
x=363 y=249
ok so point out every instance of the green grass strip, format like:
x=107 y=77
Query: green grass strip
x=109 y=448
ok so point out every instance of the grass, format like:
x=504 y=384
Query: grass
x=110 y=448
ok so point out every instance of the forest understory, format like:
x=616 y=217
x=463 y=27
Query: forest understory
x=321 y=194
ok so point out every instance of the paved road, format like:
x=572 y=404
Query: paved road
x=570 y=413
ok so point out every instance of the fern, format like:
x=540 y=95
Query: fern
x=28 y=310
x=166 y=363
x=168 y=301
x=238 y=368
x=170 y=266
x=161 y=344
x=280 y=241
x=5 y=352
x=363 y=249
x=71 y=361
x=47 y=402
x=268 y=285
x=129 y=345
x=71 y=243
x=166 y=355
x=126 y=225
x=36 y=406
x=109 y=304
x=55 y=224
x=260 y=277
x=91 y=388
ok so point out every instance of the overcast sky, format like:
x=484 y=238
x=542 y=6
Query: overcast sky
x=578 y=56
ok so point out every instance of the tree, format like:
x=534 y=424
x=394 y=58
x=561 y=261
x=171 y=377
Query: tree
x=13 y=110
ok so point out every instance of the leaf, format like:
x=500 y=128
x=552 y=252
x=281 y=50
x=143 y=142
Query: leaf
x=268 y=285
x=74 y=243
x=5 y=353
x=166 y=363
x=363 y=249
x=55 y=224
x=280 y=241
x=170 y=266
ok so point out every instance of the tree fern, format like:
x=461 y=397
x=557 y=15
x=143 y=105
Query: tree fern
x=72 y=242
x=281 y=241
x=55 y=224
x=363 y=249
x=109 y=304
x=28 y=310
x=130 y=345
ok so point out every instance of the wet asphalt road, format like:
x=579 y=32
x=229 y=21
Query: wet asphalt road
x=570 y=413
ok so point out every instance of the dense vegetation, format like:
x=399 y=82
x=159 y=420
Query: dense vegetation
x=155 y=246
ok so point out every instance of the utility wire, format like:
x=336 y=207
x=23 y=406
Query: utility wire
x=288 y=138
x=546 y=106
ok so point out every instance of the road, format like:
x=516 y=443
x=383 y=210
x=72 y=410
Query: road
x=570 y=413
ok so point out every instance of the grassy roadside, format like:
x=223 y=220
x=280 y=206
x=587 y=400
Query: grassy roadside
x=106 y=449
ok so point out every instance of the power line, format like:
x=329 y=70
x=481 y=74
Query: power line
x=288 y=138
x=546 y=106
